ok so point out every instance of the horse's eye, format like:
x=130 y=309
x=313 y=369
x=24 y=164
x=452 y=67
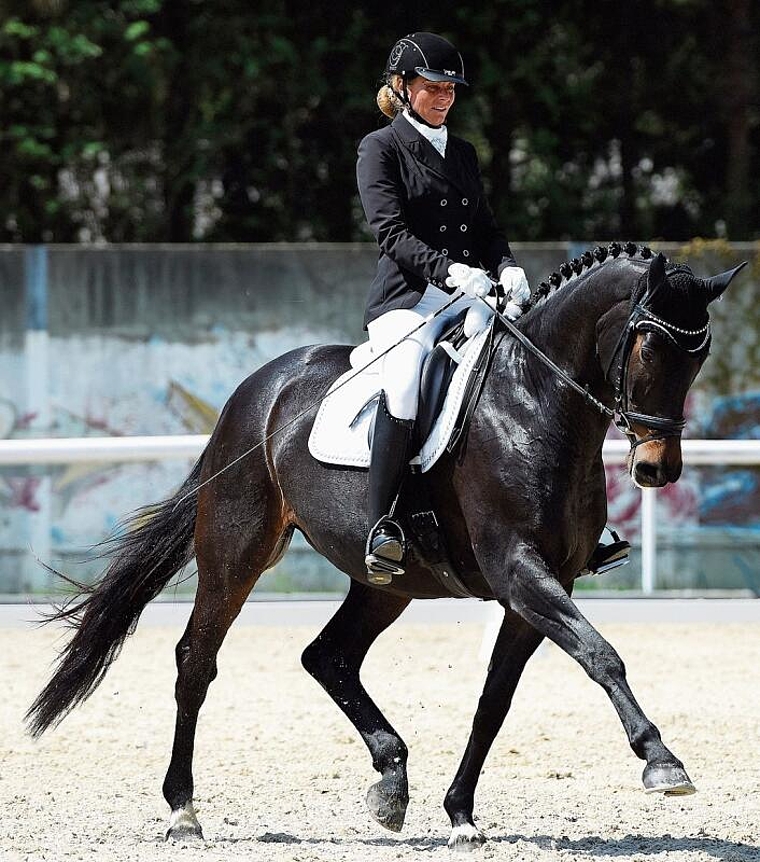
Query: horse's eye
x=647 y=354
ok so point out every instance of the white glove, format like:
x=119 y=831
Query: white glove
x=512 y=310
x=515 y=285
x=474 y=282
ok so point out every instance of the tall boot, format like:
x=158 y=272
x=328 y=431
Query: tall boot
x=386 y=545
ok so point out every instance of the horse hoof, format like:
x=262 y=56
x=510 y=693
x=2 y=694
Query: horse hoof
x=668 y=779
x=184 y=825
x=386 y=806
x=465 y=838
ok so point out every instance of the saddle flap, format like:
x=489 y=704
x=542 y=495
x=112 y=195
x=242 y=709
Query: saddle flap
x=340 y=431
x=437 y=373
x=436 y=376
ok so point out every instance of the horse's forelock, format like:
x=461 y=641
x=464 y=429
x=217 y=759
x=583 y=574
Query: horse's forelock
x=684 y=302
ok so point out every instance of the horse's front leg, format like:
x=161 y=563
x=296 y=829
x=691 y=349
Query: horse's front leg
x=540 y=599
x=516 y=643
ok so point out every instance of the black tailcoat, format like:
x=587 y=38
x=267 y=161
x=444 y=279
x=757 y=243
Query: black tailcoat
x=426 y=213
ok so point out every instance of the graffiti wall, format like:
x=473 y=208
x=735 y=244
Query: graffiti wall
x=152 y=340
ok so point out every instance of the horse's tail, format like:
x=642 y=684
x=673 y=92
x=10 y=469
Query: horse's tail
x=157 y=542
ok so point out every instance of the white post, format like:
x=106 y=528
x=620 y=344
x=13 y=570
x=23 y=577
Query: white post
x=38 y=403
x=648 y=539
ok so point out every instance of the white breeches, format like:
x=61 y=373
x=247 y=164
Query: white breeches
x=401 y=367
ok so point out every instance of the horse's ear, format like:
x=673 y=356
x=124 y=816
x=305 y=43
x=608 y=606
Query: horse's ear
x=656 y=278
x=716 y=284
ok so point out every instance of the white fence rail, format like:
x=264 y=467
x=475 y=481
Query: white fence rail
x=121 y=449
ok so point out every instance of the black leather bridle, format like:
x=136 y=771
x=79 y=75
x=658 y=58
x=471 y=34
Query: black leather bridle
x=643 y=319
x=640 y=319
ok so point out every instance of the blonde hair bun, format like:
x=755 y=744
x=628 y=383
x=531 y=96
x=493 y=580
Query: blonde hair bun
x=388 y=102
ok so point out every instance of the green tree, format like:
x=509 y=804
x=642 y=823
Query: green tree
x=183 y=120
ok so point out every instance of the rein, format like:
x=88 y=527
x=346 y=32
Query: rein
x=641 y=319
x=563 y=375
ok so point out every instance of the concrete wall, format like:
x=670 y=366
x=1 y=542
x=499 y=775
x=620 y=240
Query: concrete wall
x=152 y=340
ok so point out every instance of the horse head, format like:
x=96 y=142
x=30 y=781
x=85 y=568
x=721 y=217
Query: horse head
x=653 y=361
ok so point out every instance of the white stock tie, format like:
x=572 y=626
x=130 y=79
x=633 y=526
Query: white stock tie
x=437 y=137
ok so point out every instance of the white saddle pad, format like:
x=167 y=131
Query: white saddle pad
x=340 y=434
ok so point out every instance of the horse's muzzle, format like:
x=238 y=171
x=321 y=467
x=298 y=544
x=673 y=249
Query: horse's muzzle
x=656 y=463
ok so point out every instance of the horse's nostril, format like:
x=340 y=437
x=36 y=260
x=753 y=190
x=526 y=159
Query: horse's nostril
x=649 y=475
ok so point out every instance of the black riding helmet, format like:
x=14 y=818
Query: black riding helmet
x=428 y=55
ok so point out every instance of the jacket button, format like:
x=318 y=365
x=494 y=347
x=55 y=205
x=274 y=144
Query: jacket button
x=463 y=228
x=443 y=228
x=444 y=202
x=464 y=202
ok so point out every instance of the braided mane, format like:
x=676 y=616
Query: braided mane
x=571 y=270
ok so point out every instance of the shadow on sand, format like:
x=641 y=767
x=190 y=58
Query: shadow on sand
x=593 y=845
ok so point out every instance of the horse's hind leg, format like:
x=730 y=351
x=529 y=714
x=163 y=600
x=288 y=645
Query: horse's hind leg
x=516 y=643
x=196 y=669
x=334 y=659
x=227 y=572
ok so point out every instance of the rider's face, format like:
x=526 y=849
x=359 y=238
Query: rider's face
x=431 y=99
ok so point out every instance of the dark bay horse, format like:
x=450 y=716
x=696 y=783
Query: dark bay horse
x=521 y=506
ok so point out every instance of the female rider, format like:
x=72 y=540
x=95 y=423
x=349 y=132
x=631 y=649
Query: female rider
x=423 y=197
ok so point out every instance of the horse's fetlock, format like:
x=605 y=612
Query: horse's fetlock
x=458 y=804
x=647 y=744
x=388 y=752
x=178 y=790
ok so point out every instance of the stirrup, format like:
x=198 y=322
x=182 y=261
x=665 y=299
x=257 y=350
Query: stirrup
x=608 y=556
x=385 y=551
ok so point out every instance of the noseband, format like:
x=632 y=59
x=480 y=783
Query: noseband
x=642 y=319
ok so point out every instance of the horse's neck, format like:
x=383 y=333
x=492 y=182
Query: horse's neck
x=565 y=326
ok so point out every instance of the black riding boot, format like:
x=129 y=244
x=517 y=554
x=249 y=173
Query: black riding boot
x=386 y=545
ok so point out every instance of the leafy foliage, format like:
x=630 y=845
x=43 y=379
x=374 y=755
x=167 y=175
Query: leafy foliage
x=169 y=120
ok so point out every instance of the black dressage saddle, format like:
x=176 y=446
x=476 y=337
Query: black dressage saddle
x=437 y=371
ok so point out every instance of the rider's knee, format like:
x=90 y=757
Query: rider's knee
x=402 y=401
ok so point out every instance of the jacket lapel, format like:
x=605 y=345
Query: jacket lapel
x=449 y=168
